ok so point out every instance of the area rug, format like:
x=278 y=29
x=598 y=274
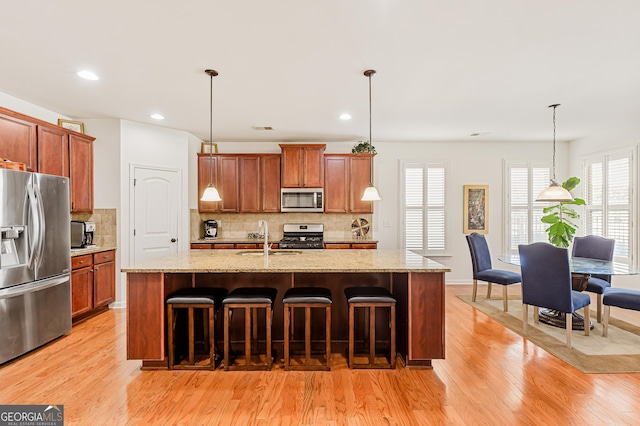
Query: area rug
x=617 y=353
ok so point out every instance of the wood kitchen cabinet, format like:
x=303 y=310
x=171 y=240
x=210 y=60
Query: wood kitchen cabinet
x=93 y=284
x=46 y=148
x=53 y=150
x=81 y=173
x=18 y=139
x=260 y=183
x=346 y=178
x=334 y=246
x=302 y=165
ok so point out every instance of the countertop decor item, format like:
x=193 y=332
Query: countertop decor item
x=370 y=193
x=363 y=147
x=554 y=192
x=360 y=227
x=211 y=193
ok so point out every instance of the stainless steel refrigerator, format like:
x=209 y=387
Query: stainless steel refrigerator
x=35 y=264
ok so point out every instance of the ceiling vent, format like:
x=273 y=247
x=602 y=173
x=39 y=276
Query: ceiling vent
x=262 y=127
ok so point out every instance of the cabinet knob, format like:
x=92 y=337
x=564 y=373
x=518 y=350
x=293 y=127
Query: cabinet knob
x=97 y=269
x=173 y=240
x=81 y=262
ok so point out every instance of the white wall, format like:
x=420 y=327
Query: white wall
x=23 y=107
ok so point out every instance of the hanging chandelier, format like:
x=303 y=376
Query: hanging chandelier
x=554 y=192
x=370 y=193
x=211 y=193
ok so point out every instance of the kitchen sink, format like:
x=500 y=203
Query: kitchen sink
x=275 y=252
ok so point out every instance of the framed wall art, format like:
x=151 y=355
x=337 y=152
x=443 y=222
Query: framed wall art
x=476 y=209
x=208 y=147
x=76 y=126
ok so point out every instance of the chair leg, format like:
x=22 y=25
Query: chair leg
x=488 y=290
x=171 y=324
x=212 y=337
x=247 y=335
x=328 y=334
x=268 y=321
x=505 y=299
x=536 y=314
x=587 y=320
x=351 y=336
x=525 y=318
x=372 y=335
x=287 y=323
x=192 y=338
x=475 y=290
x=605 y=321
x=569 y=320
x=599 y=307
x=393 y=336
x=226 y=337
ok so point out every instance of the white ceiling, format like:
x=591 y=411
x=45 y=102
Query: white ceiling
x=445 y=68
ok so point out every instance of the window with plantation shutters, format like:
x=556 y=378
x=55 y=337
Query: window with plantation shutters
x=523 y=183
x=609 y=211
x=423 y=207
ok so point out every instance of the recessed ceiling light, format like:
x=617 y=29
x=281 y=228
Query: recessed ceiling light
x=157 y=116
x=345 y=116
x=88 y=75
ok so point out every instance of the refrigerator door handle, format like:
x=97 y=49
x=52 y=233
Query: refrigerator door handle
x=22 y=289
x=41 y=225
x=33 y=225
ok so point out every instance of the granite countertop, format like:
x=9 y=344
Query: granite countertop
x=304 y=261
x=223 y=240
x=91 y=250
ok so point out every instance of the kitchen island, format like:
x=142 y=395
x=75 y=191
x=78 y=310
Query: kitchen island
x=416 y=282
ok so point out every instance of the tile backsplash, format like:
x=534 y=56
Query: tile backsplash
x=106 y=225
x=234 y=225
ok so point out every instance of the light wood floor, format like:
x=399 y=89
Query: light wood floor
x=490 y=376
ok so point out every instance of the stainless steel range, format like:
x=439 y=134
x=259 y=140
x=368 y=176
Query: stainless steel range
x=302 y=236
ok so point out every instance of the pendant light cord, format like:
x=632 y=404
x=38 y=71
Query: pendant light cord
x=211 y=73
x=554 y=106
x=369 y=73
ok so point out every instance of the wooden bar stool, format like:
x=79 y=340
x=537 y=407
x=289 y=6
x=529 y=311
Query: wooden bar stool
x=307 y=298
x=371 y=298
x=250 y=299
x=209 y=300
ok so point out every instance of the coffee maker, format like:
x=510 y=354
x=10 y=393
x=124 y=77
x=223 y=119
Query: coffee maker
x=210 y=229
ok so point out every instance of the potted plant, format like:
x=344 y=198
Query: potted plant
x=559 y=217
x=363 y=147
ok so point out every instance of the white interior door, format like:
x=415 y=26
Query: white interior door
x=156 y=206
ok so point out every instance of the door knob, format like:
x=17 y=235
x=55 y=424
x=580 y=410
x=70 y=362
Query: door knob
x=173 y=240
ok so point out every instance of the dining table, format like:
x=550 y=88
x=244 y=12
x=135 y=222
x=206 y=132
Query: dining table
x=582 y=268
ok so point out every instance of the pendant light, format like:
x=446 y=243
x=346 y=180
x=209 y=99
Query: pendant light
x=211 y=193
x=370 y=193
x=554 y=192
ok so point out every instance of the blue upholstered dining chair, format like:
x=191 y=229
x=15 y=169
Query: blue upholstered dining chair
x=546 y=283
x=483 y=271
x=595 y=247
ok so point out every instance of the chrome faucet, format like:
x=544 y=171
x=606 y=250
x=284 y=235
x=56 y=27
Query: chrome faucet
x=265 y=229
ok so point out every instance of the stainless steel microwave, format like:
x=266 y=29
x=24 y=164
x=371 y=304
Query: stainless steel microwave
x=302 y=200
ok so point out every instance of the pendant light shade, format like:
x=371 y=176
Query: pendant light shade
x=554 y=192
x=370 y=193
x=211 y=193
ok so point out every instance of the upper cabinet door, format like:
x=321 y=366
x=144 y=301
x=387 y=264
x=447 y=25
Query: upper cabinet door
x=250 y=184
x=270 y=183
x=302 y=165
x=360 y=175
x=18 y=140
x=53 y=151
x=336 y=183
x=207 y=170
x=228 y=184
x=81 y=173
